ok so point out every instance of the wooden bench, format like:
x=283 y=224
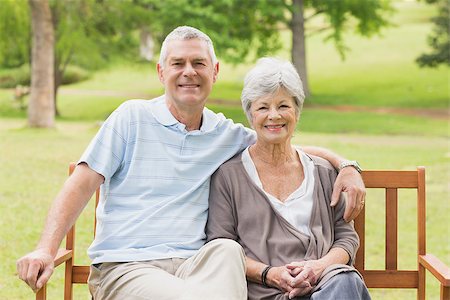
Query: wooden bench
x=389 y=277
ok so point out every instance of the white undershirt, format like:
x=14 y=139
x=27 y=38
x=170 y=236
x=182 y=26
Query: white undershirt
x=297 y=208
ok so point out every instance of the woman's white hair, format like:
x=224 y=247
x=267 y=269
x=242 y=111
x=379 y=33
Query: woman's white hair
x=184 y=33
x=266 y=78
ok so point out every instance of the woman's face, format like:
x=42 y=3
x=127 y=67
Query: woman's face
x=274 y=117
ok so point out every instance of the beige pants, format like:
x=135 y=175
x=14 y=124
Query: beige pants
x=217 y=271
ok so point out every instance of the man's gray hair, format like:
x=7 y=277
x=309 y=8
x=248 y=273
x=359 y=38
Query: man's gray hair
x=183 y=33
x=266 y=78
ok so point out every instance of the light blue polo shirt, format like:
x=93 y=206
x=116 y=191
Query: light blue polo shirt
x=154 y=202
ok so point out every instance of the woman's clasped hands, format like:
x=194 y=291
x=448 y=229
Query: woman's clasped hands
x=297 y=278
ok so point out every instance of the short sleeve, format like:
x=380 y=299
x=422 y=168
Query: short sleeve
x=105 y=152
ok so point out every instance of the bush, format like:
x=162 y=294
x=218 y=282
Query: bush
x=10 y=78
x=74 y=74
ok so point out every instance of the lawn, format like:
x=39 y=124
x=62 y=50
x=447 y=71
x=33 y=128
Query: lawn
x=378 y=72
x=34 y=166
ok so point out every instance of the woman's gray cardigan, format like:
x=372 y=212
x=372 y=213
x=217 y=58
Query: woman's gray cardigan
x=240 y=210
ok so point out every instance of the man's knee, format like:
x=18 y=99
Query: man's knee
x=226 y=245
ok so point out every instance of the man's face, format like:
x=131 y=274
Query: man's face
x=188 y=74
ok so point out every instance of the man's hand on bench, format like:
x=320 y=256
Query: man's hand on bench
x=35 y=268
x=350 y=181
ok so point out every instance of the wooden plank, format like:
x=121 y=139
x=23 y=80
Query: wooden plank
x=61 y=256
x=445 y=293
x=421 y=211
x=391 y=279
x=42 y=293
x=80 y=274
x=361 y=230
x=436 y=267
x=421 y=230
x=68 y=287
x=391 y=247
x=390 y=179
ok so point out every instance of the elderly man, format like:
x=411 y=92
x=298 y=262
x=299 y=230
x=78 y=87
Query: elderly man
x=153 y=161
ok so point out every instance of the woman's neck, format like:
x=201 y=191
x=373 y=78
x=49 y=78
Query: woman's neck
x=273 y=154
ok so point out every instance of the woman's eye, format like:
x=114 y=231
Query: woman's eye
x=261 y=108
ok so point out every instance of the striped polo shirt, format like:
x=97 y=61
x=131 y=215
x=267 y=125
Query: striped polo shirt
x=154 y=201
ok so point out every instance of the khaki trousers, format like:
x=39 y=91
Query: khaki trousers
x=217 y=271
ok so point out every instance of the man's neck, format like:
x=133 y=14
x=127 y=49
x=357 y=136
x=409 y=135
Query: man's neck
x=191 y=117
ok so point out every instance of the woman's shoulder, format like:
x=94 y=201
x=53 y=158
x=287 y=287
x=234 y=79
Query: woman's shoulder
x=231 y=164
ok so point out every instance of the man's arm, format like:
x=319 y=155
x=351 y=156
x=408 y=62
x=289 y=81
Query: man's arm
x=36 y=267
x=348 y=180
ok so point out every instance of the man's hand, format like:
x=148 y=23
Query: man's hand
x=35 y=268
x=350 y=181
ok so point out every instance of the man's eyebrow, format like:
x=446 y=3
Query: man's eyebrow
x=175 y=59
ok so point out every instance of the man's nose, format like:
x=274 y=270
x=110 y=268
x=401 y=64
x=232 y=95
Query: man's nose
x=189 y=70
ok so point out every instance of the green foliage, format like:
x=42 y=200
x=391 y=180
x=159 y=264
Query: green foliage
x=15 y=42
x=439 y=39
x=10 y=78
x=238 y=28
x=90 y=33
x=365 y=17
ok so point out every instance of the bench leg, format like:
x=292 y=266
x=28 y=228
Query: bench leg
x=42 y=293
x=445 y=292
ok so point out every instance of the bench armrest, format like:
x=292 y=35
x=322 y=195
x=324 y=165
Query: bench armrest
x=436 y=267
x=62 y=256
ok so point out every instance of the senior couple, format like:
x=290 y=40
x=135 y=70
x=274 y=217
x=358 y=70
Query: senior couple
x=174 y=175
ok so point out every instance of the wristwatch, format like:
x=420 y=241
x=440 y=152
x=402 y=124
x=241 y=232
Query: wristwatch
x=350 y=163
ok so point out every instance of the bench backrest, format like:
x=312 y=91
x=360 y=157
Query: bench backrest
x=390 y=276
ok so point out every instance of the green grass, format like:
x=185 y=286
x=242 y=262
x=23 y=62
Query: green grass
x=377 y=72
x=34 y=166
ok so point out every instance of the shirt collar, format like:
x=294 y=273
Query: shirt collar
x=161 y=112
x=163 y=115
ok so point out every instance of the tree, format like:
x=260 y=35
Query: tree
x=41 y=106
x=370 y=17
x=239 y=29
x=439 y=39
x=15 y=42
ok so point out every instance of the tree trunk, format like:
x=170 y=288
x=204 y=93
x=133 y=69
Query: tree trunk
x=146 y=45
x=41 y=112
x=298 y=43
x=57 y=78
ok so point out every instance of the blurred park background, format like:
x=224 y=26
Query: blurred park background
x=376 y=71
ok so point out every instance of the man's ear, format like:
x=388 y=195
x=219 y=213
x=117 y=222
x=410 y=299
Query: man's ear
x=216 y=72
x=159 y=68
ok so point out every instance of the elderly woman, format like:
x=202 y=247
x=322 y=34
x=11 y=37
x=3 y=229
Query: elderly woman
x=274 y=200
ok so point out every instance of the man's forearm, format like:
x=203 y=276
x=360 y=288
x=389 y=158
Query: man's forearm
x=331 y=156
x=67 y=206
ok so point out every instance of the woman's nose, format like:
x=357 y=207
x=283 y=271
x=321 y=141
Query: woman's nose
x=274 y=114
